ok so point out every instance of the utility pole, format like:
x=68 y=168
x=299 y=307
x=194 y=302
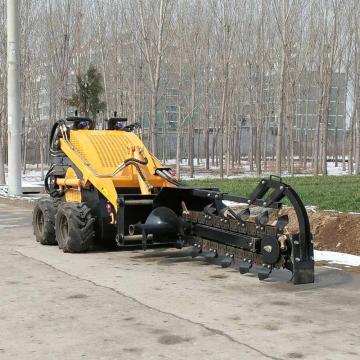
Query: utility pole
x=13 y=88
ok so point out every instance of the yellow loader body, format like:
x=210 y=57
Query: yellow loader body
x=99 y=153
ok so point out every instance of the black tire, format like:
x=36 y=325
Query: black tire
x=44 y=221
x=74 y=226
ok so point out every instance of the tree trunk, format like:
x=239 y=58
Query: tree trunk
x=222 y=119
x=251 y=134
x=103 y=67
x=265 y=142
x=306 y=129
x=282 y=115
x=152 y=125
x=134 y=89
x=178 y=124
x=251 y=145
x=206 y=142
x=223 y=109
x=228 y=141
x=351 y=142
x=164 y=136
x=213 y=145
x=290 y=130
x=191 y=126
x=233 y=143
x=239 y=143
x=317 y=139
x=178 y=141
x=41 y=144
x=260 y=92
x=236 y=143
x=327 y=91
x=153 y=56
x=344 y=150
x=207 y=125
x=25 y=150
x=259 y=125
x=198 y=152
x=280 y=125
x=324 y=137
x=2 y=158
x=357 y=144
x=336 y=136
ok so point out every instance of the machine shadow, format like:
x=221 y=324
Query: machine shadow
x=325 y=277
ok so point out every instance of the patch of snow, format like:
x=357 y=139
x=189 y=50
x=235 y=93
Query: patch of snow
x=311 y=208
x=30 y=178
x=334 y=268
x=233 y=203
x=337 y=258
x=335 y=171
x=3 y=190
x=201 y=173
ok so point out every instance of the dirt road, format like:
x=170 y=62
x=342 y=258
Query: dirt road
x=162 y=305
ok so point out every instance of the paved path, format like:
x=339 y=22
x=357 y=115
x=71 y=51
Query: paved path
x=162 y=305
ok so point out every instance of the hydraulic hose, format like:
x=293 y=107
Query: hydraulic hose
x=52 y=191
x=168 y=178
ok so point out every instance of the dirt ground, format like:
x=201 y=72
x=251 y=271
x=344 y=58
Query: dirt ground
x=332 y=231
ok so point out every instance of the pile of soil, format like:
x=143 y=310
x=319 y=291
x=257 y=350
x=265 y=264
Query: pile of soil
x=332 y=231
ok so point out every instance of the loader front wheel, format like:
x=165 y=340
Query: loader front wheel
x=74 y=226
x=44 y=221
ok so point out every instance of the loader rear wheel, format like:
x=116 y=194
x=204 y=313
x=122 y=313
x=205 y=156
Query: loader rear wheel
x=44 y=221
x=74 y=226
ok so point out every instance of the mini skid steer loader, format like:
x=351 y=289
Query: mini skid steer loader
x=106 y=188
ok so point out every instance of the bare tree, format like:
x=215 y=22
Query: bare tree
x=225 y=36
x=282 y=17
x=326 y=73
x=153 y=22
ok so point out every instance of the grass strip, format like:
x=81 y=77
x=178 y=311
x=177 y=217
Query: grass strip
x=341 y=193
